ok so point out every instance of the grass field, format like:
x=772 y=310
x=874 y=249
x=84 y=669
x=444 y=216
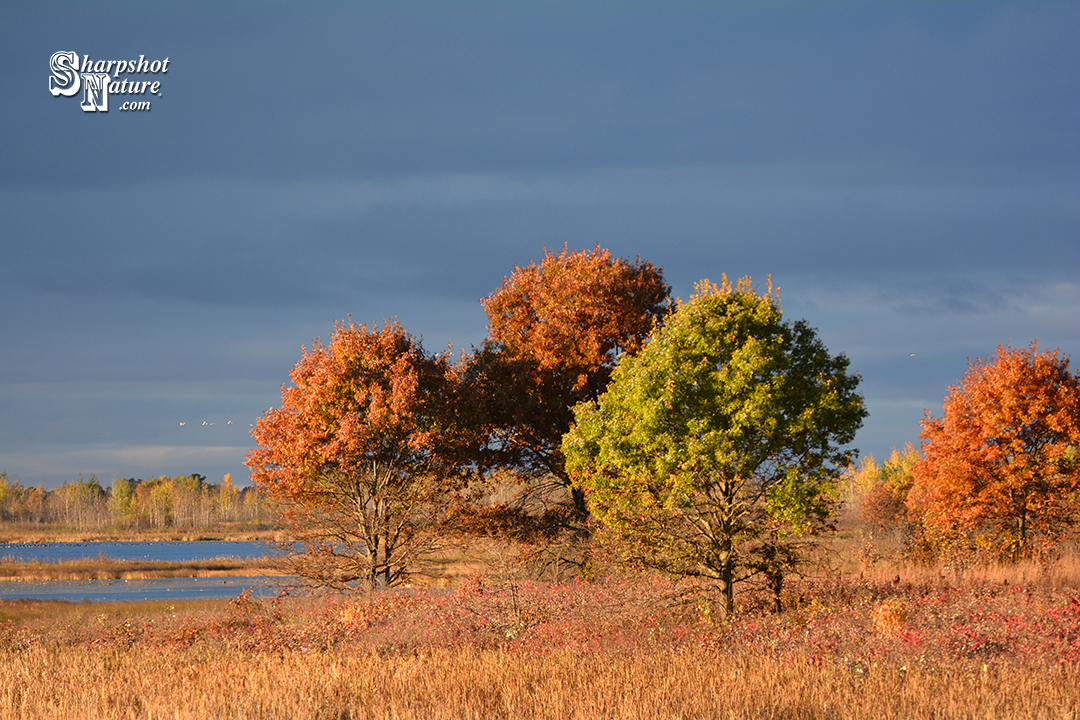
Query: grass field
x=1004 y=643
x=108 y=569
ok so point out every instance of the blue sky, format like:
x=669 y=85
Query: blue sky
x=908 y=173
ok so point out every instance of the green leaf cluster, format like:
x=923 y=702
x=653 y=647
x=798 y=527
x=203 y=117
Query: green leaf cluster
x=724 y=435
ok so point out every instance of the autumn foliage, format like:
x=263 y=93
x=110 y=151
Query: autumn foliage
x=556 y=331
x=379 y=450
x=575 y=313
x=886 y=490
x=1002 y=462
x=352 y=456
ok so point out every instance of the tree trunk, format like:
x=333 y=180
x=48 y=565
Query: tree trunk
x=727 y=586
x=580 y=502
x=1021 y=531
x=775 y=577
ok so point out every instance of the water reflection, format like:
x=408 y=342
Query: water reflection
x=135 y=590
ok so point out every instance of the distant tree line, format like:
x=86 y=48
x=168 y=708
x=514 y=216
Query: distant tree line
x=183 y=501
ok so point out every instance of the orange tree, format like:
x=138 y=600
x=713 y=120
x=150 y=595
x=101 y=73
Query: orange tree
x=1003 y=457
x=718 y=446
x=556 y=331
x=352 y=456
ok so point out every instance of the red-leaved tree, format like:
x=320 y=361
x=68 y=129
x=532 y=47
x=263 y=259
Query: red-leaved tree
x=555 y=333
x=352 y=456
x=1003 y=458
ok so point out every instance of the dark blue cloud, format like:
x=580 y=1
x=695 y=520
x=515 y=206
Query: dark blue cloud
x=294 y=91
x=908 y=173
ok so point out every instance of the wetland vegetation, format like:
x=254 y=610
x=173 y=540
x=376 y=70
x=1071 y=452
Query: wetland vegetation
x=999 y=643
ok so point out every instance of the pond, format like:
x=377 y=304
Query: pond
x=137 y=590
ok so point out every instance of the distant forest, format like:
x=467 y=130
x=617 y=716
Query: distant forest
x=184 y=501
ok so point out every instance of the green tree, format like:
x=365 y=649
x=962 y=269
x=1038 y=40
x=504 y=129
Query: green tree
x=719 y=444
x=123 y=506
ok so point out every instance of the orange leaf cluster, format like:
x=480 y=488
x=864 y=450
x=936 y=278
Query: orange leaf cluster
x=1004 y=456
x=576 y=312
x=370 y=396
x=353 y=457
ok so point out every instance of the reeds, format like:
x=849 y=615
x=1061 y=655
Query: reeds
x=617 y=648
x=104 y=568
x=497 y=683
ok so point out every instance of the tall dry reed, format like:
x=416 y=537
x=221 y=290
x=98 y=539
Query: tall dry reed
x=72 y=683
x=620 y=648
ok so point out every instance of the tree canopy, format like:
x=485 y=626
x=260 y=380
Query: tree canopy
x=719 y=442
x=1003 y=458
x=575 y=313
x=352 y=456
x=556 y=331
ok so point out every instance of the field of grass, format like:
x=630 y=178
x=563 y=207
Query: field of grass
x=108 y=569
x=925 y=645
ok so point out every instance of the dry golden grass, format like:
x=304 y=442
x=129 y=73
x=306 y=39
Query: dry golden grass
x=847 y=648
x=895 y=642
x=71 y=683
x=108 y=569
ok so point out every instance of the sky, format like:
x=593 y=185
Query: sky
x=908 y=173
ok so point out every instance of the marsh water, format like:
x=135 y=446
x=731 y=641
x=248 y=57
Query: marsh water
x=136 y=590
